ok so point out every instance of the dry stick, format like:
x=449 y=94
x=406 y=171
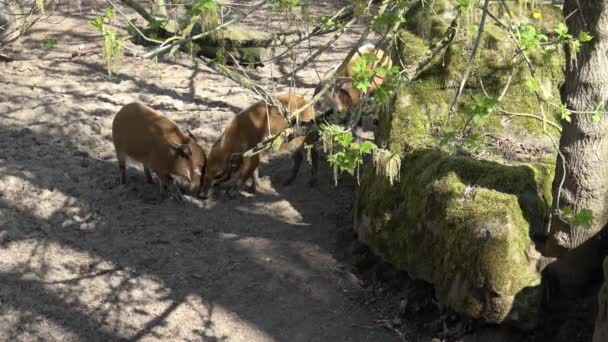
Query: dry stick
x=316 y=31
x=162 y=49
x=473 y=55
x=351 y=53
x=317 y=53
x=131 y=24
x=570 y=110
x=526 y=115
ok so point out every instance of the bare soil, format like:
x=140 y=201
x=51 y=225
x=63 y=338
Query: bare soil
x=85 y=259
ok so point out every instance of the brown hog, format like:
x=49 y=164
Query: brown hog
x=245 y=131
x=144 y=135
x=342 y=96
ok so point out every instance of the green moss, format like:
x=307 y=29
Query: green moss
x=411 y=46
x=238 y=33
x=428 y=22
x=455 y=219
x=423 y=105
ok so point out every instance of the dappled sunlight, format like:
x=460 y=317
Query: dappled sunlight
x=83 y=257
x=45 y=204
x=280 y=210
x=121 y=301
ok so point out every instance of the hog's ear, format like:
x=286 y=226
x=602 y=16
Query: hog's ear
x=183 y=150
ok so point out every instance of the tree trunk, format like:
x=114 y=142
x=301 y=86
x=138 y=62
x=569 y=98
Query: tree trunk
x=584 y=144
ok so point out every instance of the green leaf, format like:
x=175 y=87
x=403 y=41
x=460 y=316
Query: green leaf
x=48 y=43
x=367 y=147
x=585 y=37
x=584 y=218
x=530 y=37
x=464 y=5
x=561 y=29
x=599 y=113
x=110 y=14
x=533 y=84
x=98 y=22
x=204 y=6
x=155 y=24
x=479 y=112
x=565 y=113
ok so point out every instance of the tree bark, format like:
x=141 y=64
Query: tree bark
x=584 y=144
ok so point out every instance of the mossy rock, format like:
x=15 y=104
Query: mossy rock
x=464 y=226
x=465 y=222
x=423 y=105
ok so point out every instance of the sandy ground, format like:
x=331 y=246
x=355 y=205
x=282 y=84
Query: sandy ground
x=84 y=259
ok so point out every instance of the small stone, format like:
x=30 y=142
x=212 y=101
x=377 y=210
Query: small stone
x=196 y=276
x=178 y=105
x=106 y=155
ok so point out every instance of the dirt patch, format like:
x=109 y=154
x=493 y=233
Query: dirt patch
x=85 y=259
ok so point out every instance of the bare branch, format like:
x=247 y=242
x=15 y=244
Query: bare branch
x=473 y=55
x=525 y=115
x=183 y=41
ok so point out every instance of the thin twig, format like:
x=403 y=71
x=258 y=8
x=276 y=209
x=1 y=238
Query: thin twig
x=317 y=53
x=526 y=115
x=473 y=55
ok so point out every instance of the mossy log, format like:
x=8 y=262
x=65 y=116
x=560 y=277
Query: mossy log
x=465 y=223
x=228 y=40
